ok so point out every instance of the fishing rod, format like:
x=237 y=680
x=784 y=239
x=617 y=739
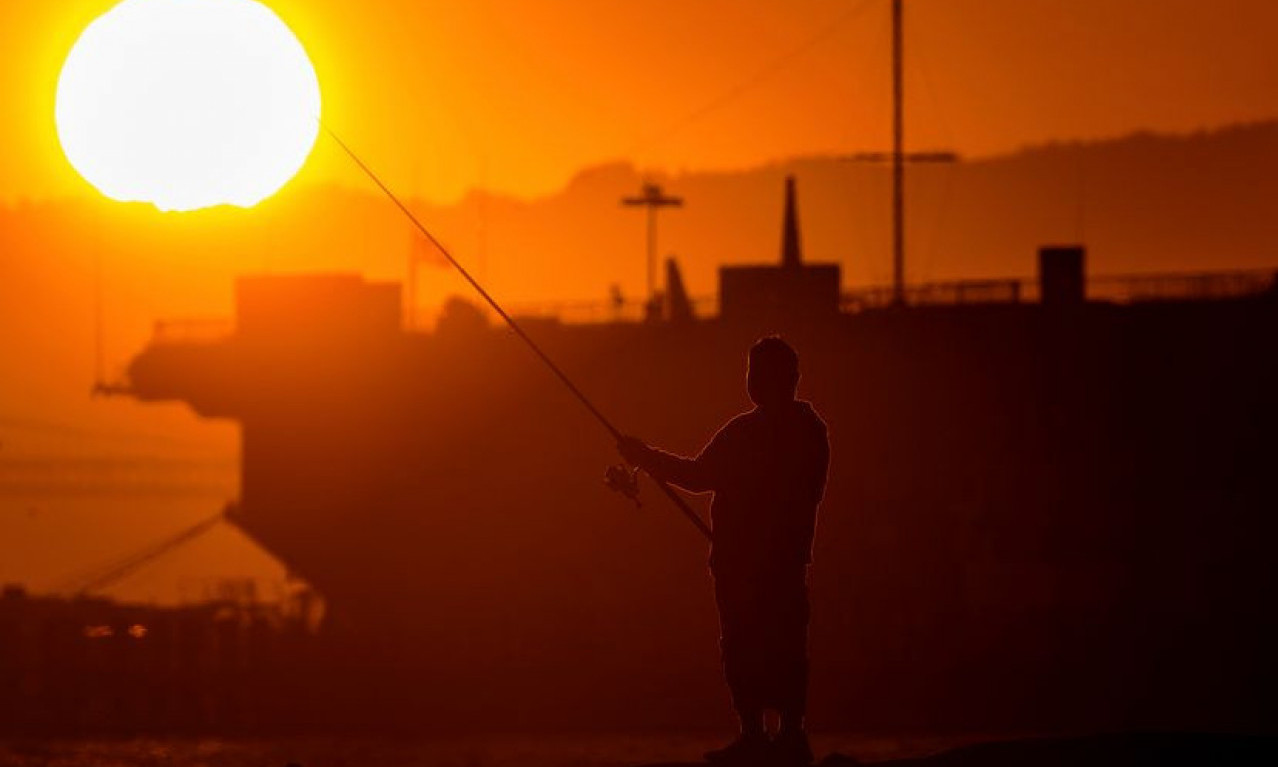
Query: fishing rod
x=614 y=480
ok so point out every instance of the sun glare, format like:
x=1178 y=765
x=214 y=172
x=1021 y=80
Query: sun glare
x=188 y=104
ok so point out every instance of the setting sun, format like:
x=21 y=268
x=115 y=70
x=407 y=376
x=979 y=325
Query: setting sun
x=188 y=104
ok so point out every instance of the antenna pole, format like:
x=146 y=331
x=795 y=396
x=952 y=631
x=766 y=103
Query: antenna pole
x=898 y=156
x=652 y=197
x=652 y=252
x=519 y=331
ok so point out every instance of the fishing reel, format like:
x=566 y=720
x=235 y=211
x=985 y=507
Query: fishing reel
x=624 y=479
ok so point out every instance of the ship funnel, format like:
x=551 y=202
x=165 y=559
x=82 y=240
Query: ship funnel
x=678 y=305
x=791 y=249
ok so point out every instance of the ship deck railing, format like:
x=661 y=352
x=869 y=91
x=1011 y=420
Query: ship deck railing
x=1111 y=288
x=1117 y=288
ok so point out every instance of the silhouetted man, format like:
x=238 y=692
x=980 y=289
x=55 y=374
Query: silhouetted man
x=767 y=470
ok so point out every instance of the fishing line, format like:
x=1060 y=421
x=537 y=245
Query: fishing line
x=101 y=577
x=669 y=492
x=760 y=76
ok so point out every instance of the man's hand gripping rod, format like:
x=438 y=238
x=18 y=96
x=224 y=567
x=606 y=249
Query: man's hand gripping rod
x=669 y=492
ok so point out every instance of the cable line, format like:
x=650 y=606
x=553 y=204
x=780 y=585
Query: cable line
x=760 y=76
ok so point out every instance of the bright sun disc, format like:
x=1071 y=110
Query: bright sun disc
x=188 y=103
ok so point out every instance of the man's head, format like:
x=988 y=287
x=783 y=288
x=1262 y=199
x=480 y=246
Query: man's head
x=773 y=375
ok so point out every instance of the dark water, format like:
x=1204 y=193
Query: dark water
x=470 y=751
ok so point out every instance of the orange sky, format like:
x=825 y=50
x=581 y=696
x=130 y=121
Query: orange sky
x=516 y=96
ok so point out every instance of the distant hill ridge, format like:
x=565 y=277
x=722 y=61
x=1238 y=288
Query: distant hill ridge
x=1141 y=203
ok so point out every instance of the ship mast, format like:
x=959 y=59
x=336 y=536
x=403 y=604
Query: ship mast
x=898 y=156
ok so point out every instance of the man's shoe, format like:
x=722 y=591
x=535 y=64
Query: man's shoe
x=791 y=748
x=746 y=749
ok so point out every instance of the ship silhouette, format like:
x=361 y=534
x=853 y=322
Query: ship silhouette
x=1051 y=504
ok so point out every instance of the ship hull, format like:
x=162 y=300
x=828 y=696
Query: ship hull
x=1036 y=517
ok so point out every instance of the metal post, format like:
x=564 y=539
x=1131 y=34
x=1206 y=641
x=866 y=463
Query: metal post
x=898 y=158
x=652 y=197
x=652 y=251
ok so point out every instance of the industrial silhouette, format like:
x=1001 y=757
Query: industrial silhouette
x=1044 y=510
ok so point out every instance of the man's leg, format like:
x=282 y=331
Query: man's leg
x=790 y=658
x=744 y=663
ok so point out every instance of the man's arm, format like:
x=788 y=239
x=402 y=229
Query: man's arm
x=692 y=474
